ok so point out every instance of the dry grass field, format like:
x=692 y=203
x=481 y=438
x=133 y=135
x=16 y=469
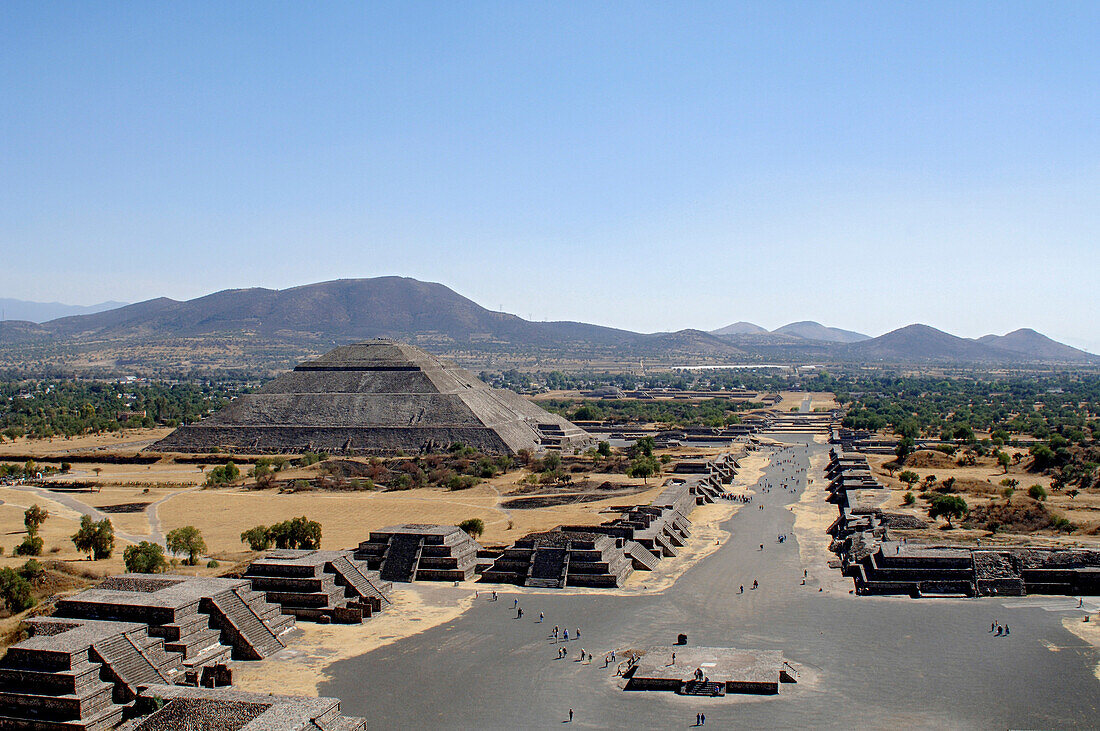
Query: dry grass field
x=980 y=486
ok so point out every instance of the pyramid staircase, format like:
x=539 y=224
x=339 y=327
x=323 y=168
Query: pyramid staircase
x=236 y=613
x=402 y=557
x=362 y=585
x=549 y=568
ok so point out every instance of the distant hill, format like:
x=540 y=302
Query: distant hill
x=1037 y=346
x=13 y=309
x=816 y=331
x=924 y=343
x=260 y=327
x=740 y=328
x=256 y=330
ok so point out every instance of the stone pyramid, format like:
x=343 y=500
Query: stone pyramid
x=376 y=397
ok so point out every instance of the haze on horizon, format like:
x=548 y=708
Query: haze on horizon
x=634 y=165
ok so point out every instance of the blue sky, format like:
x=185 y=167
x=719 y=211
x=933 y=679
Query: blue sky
x=648 y=166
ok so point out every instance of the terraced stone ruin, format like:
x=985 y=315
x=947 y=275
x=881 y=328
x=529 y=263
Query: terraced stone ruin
x=326 y=586
x=378 y=397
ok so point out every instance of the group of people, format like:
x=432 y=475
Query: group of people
x=998 y=629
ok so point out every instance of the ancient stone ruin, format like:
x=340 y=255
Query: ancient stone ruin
x=419 y=552
x=880 y=564
x=82 y=667
x=164 y=707
x=558 y=558
x=377 y=397
x=706 y=671
x=326 y=586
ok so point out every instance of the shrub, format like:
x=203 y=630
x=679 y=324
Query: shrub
x=1036 y=492
x=32 y=571
x=31 y=546
x=144 y=558
x=908 y=499
x=461 y=482
x=604 y=449
x=211 y=564
x=223 y=475
x=33 y=518
x=474 y=526
x=15 y=591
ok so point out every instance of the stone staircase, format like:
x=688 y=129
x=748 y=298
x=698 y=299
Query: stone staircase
x=549 y=568
x=641 y=556
x=359 y=582
x=251 y=636
x=128 y=662
x=702 y=688
x=402 y=558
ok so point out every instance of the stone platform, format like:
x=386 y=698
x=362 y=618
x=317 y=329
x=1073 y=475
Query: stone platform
x=724 y=670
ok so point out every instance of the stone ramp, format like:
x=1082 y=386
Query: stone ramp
x=128 y=663
x=640 y=555
x=255 y=639
x=402 y=558
x=358 y=581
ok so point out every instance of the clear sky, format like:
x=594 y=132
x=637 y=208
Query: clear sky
x=647 y=166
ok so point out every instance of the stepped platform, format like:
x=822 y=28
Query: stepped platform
x=419 y=552
x=326 y=586
x=79 y=674
x=723 y=669
x=162 y=707
x=204 y=619
x=581 y=558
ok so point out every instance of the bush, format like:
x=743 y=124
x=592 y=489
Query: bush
x=1036 y=492
x=947 y=506
x=604 y=449
x=474 y=526
x=144 y=558
x=31 y=546
x=223 y=475
x=908 y=499
x=15 y=591
x=33 y=571
x=461 y=482
x=211 y=564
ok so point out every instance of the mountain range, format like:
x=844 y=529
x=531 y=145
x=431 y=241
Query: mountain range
x=12 y=309
x=256 y=329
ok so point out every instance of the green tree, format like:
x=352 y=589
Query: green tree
x=643 y=447
x=144 y=558
x=33 y=518
x=948 y=506
x=474 y=526
x=904 y=449
x=603 y=449
x=187 y=540
x=551 y=462
x=296 y=533
x=31 y=546
x=908 y=499
x=644 y=467
x=1004 y=460
x=258 y=538
x=33 y=572
x=95 y=538
x=909 y=477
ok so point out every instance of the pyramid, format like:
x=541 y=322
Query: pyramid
x=379 y=396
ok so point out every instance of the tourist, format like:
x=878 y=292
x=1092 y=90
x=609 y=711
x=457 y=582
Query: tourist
x=541 y=616
x=673 y=659
x=742 y=588
x=1006 y=629
x=570 y=715
x=578 y=633
x=519 y=612
x=698 y=717
x=565 y=635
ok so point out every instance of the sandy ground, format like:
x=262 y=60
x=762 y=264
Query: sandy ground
x=1087 y=631
x=812 y=517
x=818 y=400
x=301 y=667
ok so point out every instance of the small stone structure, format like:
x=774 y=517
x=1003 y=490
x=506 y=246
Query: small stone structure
x=420 y=552
x=559 y=558
x=327 y=586
x=379 y=396
x=707 y=671
x=167 y=708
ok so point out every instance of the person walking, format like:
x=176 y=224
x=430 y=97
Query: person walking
x=698 y=716
x=541 y=616
x=570 y=715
